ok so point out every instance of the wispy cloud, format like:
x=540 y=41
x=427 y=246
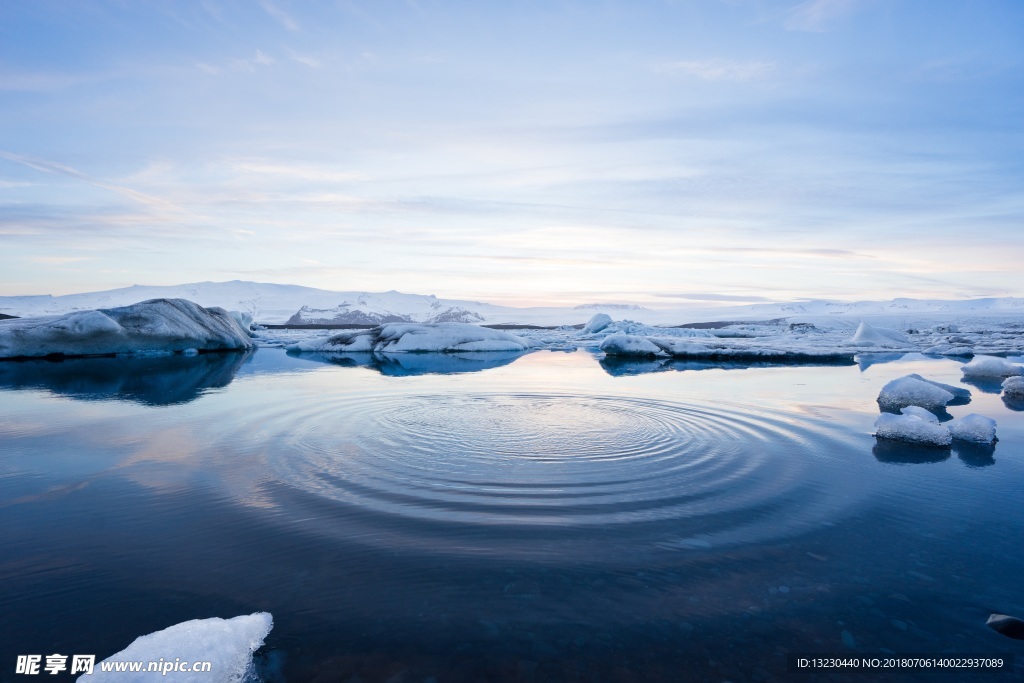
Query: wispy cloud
x=296 y=171
x=307 y=60
x=706 y=296
x=721 y=69
x=61 y=169
x=280 y=15
x=59 y=260
x=41 y=81
x=818 y=15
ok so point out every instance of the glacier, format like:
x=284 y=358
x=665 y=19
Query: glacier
x=154 y=326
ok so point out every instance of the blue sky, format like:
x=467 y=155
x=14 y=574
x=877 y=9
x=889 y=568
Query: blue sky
x=666 y=153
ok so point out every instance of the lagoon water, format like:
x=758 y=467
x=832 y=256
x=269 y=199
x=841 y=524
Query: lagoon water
x=549 y=517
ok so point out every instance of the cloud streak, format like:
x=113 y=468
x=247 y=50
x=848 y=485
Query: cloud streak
x=734 y=70
x=61 y=169
x=818 y=16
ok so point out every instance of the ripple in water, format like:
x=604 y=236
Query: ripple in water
x=551 y=467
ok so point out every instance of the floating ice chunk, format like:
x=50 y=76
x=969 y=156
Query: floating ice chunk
x=990 y=366
x=597 y=323
x=973 y=427
x=416 y=338
x=910 y=391
x=629 y=345
x=866 y=335
x=158 y=325
x=228 y=644
x=911 y=429
x=1013 y=387
x=958 y=392
x=920 y=413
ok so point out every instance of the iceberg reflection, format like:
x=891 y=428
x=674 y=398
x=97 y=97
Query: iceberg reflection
x=155 y=381
x=903 y=453
x=622 y=366
x=409 y=364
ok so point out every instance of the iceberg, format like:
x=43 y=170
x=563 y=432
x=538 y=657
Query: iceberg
x=417 y=338
x=228 y=644
x=630 y=345
x=913 y=391
x=989 y=366
x=973 y=427
x=866 y=335
x=157 y=326
x=911 y=429
x=597 y=323
x=1013 y=387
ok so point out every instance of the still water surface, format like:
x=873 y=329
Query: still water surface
x=547 y=517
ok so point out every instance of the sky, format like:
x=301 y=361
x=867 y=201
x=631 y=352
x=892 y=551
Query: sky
x=552 y=152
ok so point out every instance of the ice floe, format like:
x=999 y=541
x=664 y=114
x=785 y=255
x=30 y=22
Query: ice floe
x=912 y=429
x=913 y=391
x=155 y=326
x=414 y=338
x=1013 y=387
x=990 y=367
x=630 y=345
x=973 y=427
x=228 y=644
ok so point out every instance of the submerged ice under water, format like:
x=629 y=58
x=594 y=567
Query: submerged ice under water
x=528 y=519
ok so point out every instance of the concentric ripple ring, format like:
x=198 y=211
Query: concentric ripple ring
x=563 y=463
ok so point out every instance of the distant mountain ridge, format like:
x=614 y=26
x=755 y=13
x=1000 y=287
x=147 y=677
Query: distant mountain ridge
x=363 y=312
x=275 y=303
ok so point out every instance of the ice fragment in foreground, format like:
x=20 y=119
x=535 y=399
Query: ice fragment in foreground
x=1013 y=387
x=228 y=644
x=912 y=430
x=910 y=391
x=973 y=427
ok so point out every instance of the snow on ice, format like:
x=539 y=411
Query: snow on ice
x=909 y=391
x=1013 y=387
x=973 y=427
x=228 y=644
x=912 y=429
x=990 y=367
x=155 y=326
x=920 y=413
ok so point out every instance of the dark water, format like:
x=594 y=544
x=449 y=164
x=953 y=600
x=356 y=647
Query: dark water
x=492 y=517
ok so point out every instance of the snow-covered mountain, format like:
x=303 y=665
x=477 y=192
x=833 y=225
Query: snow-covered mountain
x=275 y=303
x=376 y=309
